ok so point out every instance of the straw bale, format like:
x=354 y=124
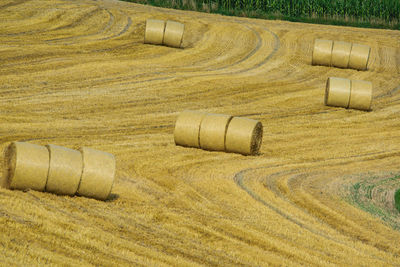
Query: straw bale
x=244 y=136
x=213 y=131
x=341 y=54
x=361 y=95
x=26 y=166
x=359 y=57
x=65 y=170
x=322 y=53
x=98 y=174
x=154 y=33
x=173 y=34
x=187 y=128
x=337 y=92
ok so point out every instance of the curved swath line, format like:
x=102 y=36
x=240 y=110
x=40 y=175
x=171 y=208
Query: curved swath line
x=15 y=3
x=124 y=30
x=108 y=26
x=251 y=53
x=238 y=178
x=263 y=62
x=389 y=93
x=83 y=17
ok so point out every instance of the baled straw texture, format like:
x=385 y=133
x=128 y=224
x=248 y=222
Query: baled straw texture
x=322 y=53
x=341 y=54
x=337 y=92
x=244 y=136
x=65 y=170
x=361 y=95
x=98 y=174
x=187 y=128
x=26 y=166
x=213 y=131
x=359 y=57
x=154 y=33
x=173 y=34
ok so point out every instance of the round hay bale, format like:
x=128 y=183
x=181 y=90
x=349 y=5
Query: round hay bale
x=337 y=92
x=244 y=136
x=98 y=174
x=341 y=54
x=26 y=166
x=322 y=53
x=65 y=170
x=187 y=128
x=361 y=95
x=359 y=57
x=154 y=33
x=213 y=131
x=173 y=34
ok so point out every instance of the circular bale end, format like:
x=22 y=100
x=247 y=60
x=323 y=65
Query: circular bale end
x=97 y=175
x=361 y=95
x=341 y=54
x=10 y=162
x=154 y=32
x=187 y=128
x=359 y=57
x=322 y=53
x=26 y=166
x=337 y=92
x=244 y=136
x=213 y=130
x=173 y=34
x=65 y=170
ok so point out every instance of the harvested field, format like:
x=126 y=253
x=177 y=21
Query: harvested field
x=76 y=73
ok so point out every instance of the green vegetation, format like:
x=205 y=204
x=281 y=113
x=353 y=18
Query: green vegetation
x=361 y=13
x=397 y=200
x=360 y=195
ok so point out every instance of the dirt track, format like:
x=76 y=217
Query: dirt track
x=77 y=73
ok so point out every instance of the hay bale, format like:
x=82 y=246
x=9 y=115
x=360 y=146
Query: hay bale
x=244 y=136
x=154 y=33
x=65 y=170
x=173 y=34
x=322 y=53
x=25 y=166
x=187 y=128
x=98 y=174
x=359 y=57
x=213 y=131
x=361 y=95
x=341 y=54
x=337 y=92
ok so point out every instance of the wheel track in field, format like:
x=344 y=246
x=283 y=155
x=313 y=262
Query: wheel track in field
x=297 y=175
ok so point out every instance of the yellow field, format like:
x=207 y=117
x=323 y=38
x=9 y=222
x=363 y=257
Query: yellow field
x=77 y=73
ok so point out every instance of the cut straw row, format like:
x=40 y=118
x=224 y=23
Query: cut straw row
x=60 y=170
x=218 y=132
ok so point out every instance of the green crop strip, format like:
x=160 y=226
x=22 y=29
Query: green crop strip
x=359 y=13
x=360 y=195
x=397 y=200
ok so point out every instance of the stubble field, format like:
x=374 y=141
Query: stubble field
x=76 y=73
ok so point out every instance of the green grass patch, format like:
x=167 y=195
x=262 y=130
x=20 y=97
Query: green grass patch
x=397 y=200
x=360 y=195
